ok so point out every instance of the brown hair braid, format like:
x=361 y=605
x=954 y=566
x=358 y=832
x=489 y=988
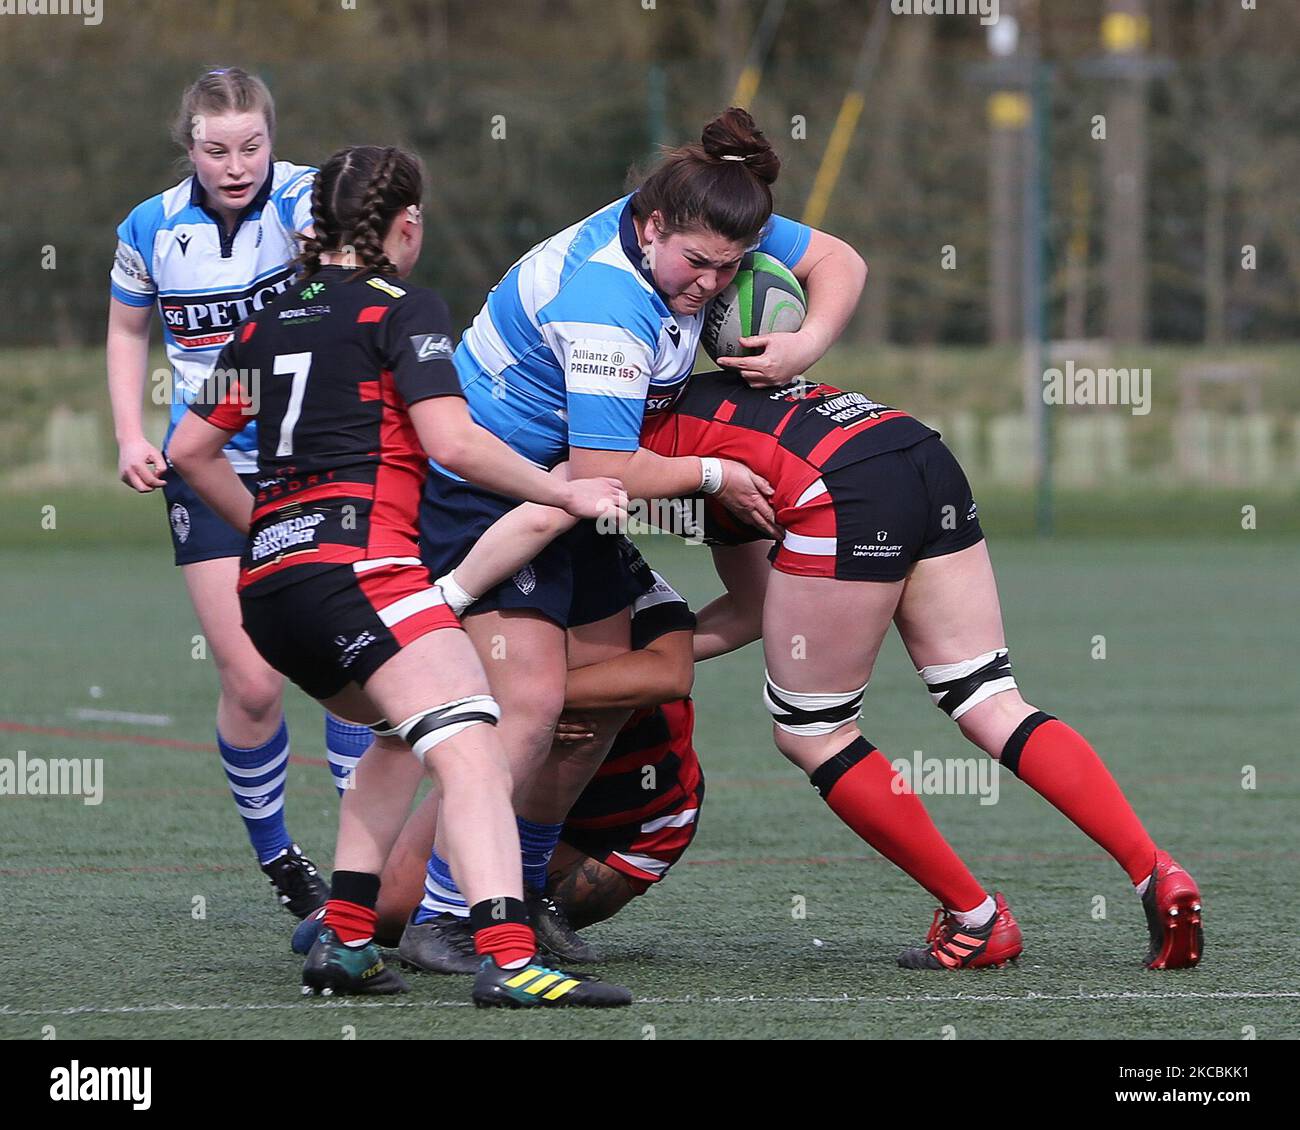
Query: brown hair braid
x=354 y=199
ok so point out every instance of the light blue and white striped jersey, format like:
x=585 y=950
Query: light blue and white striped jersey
x=576 y=344
x=173 y=251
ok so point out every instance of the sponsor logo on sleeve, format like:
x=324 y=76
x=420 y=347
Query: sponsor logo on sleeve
x=428 y=347
x=608 y=367
x=131 y=263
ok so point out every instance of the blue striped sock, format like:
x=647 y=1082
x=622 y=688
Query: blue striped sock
x=256 y=778
x=441 y=895
x=345 y=742
x=537 y=844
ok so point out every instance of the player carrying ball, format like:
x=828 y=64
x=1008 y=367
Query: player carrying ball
x=352 y=373
x=590 y=331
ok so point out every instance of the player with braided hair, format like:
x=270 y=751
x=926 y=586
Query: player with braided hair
x=355 y=388
x=208 y=252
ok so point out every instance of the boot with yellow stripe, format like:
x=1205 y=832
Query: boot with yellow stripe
x=537 y=986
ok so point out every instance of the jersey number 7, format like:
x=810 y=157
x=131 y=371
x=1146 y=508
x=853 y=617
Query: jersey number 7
x=295 y=365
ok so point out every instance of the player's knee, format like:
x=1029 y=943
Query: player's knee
x=810 y=727
x=991 y=725
x=254 y=693
x=957 y=688
x=428 y=729
x=533 y=705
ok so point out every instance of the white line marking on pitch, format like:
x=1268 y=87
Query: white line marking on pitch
x=918 y=998
x=89 y=714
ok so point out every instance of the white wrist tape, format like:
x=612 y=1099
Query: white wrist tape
x=711 y=482
x=456 y=597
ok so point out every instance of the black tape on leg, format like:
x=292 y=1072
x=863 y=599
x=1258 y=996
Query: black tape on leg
x=1016 y=743
x=436 y=721
x=827 y=775
x=957 y=691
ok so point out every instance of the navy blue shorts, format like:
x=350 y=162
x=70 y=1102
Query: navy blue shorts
x=583 y=575
x=198 y=532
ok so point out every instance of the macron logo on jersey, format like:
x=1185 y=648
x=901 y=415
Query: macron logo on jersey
x=429 y=346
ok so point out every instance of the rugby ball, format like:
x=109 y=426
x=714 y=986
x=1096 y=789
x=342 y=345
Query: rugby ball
x=763 y=298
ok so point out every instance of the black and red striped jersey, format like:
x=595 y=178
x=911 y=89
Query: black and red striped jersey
x=789 y=435
x=651 y=766
x=329 y=370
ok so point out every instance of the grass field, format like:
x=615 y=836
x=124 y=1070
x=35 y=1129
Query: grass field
x=1198 y=683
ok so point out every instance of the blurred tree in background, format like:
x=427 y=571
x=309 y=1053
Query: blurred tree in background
x=529 y=113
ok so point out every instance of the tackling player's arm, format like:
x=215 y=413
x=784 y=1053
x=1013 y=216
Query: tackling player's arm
x=409 y=342
x=662 y=671
x=505 y=547
x=196 y=444
x=606 y=380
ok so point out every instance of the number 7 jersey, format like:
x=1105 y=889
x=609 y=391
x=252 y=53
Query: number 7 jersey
x=328 y=371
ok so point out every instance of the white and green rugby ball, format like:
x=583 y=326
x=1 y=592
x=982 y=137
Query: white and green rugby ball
x=763 y=298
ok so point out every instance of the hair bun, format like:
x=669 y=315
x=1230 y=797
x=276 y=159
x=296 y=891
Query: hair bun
x=734 y=137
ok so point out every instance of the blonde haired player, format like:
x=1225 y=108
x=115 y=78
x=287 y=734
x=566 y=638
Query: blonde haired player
x=207 y=253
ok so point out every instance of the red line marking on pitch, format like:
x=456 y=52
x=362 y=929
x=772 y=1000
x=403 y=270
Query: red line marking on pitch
x=133 y=739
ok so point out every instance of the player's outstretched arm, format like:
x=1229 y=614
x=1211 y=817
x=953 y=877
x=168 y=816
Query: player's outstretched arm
x=663 y=671
x=450 y=436
x=195 y=451
x=510 y=543
x=736 y=617
x=649 y=475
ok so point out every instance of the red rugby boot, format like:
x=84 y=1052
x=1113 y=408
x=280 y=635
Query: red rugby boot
x=950 y=945
x=1173 y=907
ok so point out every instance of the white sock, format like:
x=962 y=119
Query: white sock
x=980 y=916
x=1141 y=887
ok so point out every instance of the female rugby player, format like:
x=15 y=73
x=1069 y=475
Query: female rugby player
x=208 y=252
x=637 y=815
x=879 y=523
x=352 y=373
x=591 y=330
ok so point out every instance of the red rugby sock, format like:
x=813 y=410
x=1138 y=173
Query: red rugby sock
x=1057 y=762
x=858 y=784
x=511 y=943
x=353 y=924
